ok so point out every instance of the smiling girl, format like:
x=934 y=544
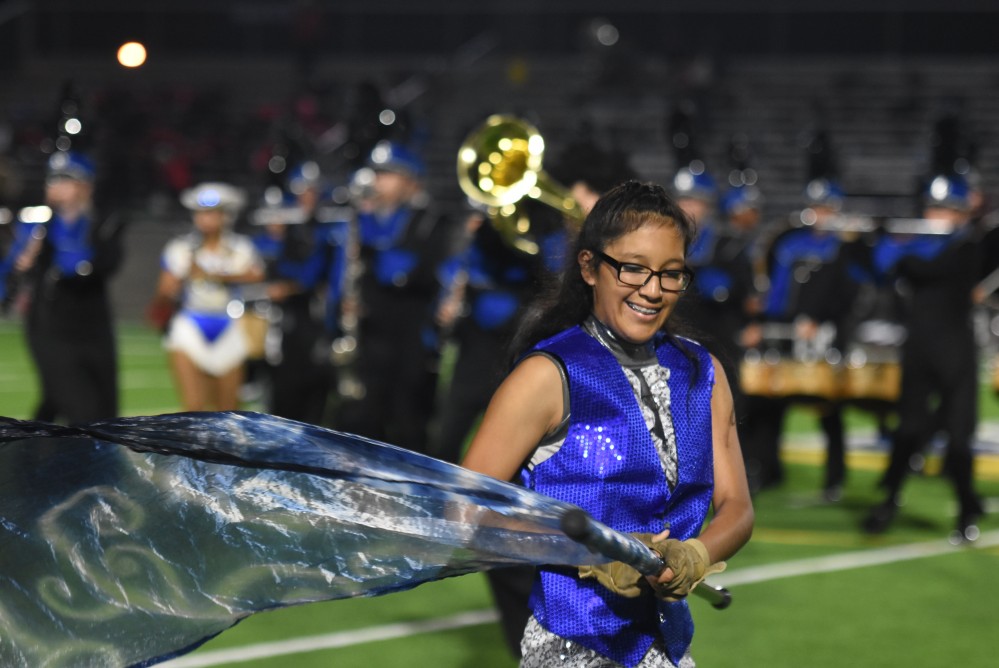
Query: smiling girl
x=609 y=410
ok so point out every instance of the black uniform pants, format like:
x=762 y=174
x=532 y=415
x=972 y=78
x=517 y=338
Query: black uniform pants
x=948 y=375
x=301 y=380
x=77 y=367
x=399 y=373
x=761 y=430
x=477 y=373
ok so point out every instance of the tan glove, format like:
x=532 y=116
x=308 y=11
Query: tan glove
x=619 y=577
x=690 y=563
x=687 y=559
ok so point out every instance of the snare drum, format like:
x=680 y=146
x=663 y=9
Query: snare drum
x=873 y=370
x=756 y=374
x=794 y=369
x=872 y=381
x=807 y=380
x=772 y=375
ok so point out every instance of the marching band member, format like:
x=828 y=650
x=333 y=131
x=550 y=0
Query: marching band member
x=59 y=265
x=403 y=240
x=302 y=252
x=722 y=301
x=203 y=271
x=939 y=355
x=731 y=290
x=486 y=287
x=498 y=280
x=811 y=288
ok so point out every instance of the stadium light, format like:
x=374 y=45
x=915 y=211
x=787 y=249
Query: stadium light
x=131 y=54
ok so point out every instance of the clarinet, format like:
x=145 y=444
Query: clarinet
x=344 y=348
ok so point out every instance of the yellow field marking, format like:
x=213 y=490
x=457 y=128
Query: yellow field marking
x=814 y=538
x=986 y=466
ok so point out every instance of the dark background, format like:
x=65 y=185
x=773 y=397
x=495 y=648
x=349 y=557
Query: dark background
x=900 y=89
x=440 y=27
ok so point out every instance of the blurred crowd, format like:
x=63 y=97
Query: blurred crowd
x=153 y=143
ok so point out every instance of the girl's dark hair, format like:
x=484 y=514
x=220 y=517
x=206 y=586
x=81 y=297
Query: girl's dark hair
x=567 y=300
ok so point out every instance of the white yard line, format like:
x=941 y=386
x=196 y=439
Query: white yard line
x=848 y=560
x=754 y=575
x=334 y=640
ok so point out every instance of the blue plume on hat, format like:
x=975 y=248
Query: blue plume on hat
x=824 y=192
x=950 y=191
x=303 y=176
x=694 y=182
x=740 y=198
x=71 y=164
x=389 y=156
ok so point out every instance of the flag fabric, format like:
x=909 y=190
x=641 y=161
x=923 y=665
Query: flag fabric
x=127 y=542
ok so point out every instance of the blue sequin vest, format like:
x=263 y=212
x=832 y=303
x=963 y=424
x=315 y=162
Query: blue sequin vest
x=608 y=465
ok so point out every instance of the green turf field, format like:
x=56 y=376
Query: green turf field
x=809 y=590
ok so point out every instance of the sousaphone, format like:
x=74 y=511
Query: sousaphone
x=499 y=164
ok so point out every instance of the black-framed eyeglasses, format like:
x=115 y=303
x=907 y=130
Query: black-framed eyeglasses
x=637 y=275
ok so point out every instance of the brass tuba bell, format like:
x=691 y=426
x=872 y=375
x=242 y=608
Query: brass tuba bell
x=499 y=164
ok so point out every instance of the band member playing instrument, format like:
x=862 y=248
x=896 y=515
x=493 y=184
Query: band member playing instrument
x=58 y=268
x=611 y=410
x=300 y=369
x=500 y=278
x=723 y=300
x=486 y=287
x=403 y=240
x=812 y=290
x=725 y=305
x=939 y=355
x=203 y=271
x=722 y=306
